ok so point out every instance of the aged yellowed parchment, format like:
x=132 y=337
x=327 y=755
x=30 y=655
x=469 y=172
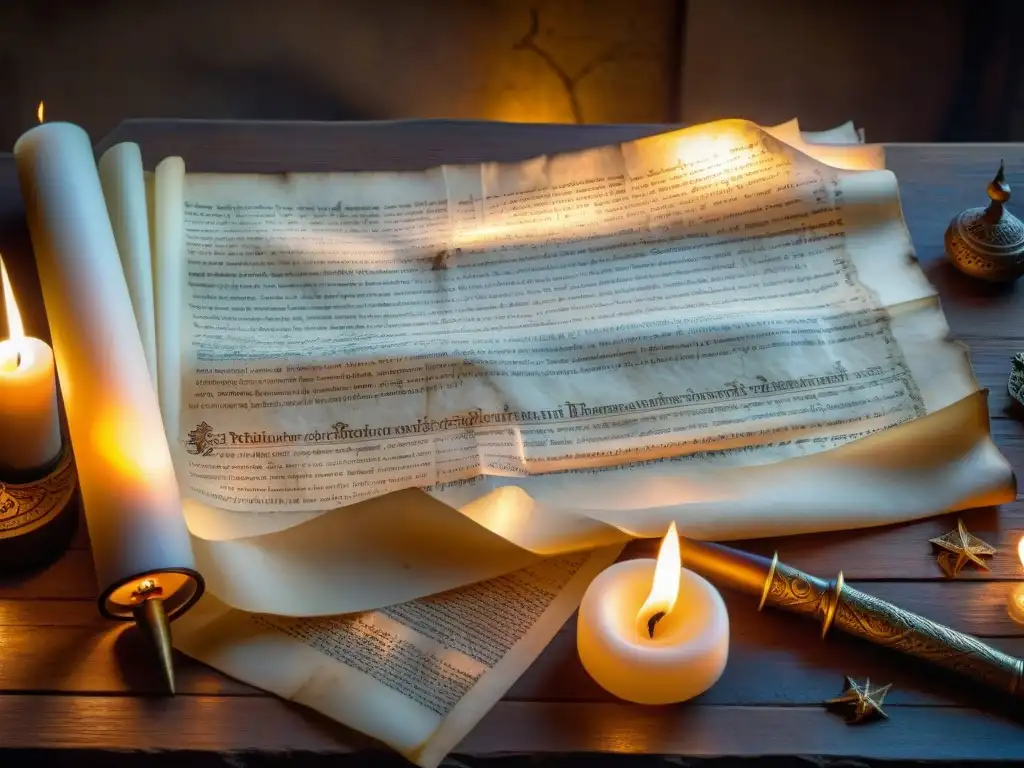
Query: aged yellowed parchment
x=417 y=675
x=705 y=326
x=602 y=340
x=399 y=383
x=414 y=413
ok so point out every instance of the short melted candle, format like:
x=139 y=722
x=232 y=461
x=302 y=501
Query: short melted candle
x=653 y=632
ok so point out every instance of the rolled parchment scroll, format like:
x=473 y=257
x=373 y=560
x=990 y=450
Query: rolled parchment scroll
x=140 y=543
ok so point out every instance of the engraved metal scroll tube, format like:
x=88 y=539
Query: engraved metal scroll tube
x=836 y=604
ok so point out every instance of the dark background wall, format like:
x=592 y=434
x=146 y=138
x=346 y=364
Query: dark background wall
x=891 y=65
x=98 y=62
x=907 y=70
x=904 y=69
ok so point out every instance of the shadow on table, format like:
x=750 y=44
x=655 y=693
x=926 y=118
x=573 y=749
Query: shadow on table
x=949 y=280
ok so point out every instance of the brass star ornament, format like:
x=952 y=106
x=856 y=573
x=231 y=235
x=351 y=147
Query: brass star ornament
x=860 y=703
x=958 y=547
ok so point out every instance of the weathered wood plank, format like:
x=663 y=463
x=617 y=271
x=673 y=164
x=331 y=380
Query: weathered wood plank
x=1008 y=434
x=112 y=659
x=910 y=732
x=168 y=723
x=66 y=646
x=272 y=726
x=779 y=658
x=51 y=613
x=774 y=658
x=70 y=577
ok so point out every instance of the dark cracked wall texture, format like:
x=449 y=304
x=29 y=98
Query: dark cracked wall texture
x=909 y=70
x=570 y=61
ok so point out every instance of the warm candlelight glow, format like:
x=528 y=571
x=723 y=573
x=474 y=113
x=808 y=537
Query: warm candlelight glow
x=41 y=111
x=1016 y=605
x=664 y=587
x=29 y=426
x=703 y=147
x=15 y=330
x=129 y=450
x=653 y=654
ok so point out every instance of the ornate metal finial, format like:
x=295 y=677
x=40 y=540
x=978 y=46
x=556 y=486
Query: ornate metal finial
x=999 y=193
x=988 y=243
x=998 y=188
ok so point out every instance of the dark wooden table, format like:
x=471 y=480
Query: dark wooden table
x=76 y=688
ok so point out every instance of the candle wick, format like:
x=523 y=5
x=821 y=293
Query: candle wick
x=653 y=622
x=17 y=361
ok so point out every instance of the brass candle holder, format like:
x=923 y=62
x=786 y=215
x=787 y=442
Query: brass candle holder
x=835 y=604
x=38 y=513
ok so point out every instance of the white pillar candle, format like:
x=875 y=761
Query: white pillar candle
x=687 y=651
x=131 y=500
x=29 y=426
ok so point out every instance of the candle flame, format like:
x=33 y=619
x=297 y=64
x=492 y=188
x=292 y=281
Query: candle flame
x=1020 y=550
x=41 y=111
x=15 y=330
x=665 y=586
x=13 y=358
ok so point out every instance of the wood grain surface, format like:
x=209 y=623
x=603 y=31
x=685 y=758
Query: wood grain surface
x=72 y=682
